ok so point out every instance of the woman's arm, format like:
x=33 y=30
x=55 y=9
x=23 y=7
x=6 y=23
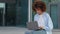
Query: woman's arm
x=49 y=23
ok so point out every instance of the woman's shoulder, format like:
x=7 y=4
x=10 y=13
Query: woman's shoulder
x=35 y=15
x=45 y=13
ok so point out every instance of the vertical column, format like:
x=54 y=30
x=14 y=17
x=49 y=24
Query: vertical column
x=29 y=10
x=3 y=14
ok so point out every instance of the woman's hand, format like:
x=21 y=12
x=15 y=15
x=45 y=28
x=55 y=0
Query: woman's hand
x=41 y=27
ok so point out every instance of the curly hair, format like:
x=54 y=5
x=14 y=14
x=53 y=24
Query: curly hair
x=39 y=4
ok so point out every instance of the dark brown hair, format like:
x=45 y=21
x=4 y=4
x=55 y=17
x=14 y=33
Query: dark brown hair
x=39 y=4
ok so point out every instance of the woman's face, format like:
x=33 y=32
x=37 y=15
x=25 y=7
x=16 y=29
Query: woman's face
x=39 y=11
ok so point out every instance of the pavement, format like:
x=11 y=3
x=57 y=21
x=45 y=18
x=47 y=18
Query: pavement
x=12 y=30
x=19 y=30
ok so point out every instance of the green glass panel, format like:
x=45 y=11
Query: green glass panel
x=54 y=15
x=10 y=15
x=1 y=16
x=22 y=12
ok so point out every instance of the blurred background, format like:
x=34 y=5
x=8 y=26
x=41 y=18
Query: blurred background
x=15 y=13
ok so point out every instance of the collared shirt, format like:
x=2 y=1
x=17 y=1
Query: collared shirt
x=44 y=20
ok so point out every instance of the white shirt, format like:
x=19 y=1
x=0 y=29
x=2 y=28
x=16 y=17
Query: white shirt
x=44 y=20
x=40 y=21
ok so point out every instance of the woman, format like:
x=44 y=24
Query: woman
x=43 y=18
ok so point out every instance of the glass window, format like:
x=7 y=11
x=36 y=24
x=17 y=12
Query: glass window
x=10 y=16
x=54 y=15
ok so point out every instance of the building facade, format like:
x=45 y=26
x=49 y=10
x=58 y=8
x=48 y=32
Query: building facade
x=16 y=12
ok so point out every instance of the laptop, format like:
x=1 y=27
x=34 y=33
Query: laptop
x=32 y=25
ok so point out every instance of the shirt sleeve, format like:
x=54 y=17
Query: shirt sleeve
x=35 y=18
x=49 y=23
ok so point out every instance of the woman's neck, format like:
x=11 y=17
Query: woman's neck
x=41 y=13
